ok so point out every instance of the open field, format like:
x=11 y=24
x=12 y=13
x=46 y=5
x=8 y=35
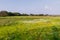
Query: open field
x=30 y=28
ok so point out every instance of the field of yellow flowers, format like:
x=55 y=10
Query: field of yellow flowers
x=30 y=28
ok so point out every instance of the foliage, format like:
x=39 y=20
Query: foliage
x=6 y=13
x=30 y=28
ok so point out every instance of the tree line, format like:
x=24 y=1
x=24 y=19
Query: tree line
x=6 y=13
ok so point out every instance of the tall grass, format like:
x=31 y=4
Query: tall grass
x=19 y=28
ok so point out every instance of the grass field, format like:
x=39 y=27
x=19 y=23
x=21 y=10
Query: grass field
x=30 y=28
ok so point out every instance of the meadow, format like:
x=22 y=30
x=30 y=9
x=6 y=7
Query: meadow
x=30 y=28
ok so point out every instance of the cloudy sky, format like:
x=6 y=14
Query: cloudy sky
x=31 y=6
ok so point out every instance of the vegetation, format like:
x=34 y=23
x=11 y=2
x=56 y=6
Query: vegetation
x=29 y=28
x=6 y=13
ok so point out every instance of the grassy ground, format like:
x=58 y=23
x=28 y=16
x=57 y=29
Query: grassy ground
x=30 y=28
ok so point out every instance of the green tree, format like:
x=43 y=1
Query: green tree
x=3 y=13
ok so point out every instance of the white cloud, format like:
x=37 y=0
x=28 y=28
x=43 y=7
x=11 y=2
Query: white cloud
x=47 y=8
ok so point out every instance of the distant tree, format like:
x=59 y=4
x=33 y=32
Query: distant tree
x=41 y=14
x=6 y=13
x=3 y=13
x=36 y=14
x=31 y=14
x=10 y=14
x=16 y=14
x=46 y=14
x=24 y=14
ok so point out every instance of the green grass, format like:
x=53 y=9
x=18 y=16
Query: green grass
x=30 y=28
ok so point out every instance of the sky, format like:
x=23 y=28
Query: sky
x=31 y=6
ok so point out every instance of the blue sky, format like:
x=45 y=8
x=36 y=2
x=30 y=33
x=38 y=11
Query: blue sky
x=31 y=6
